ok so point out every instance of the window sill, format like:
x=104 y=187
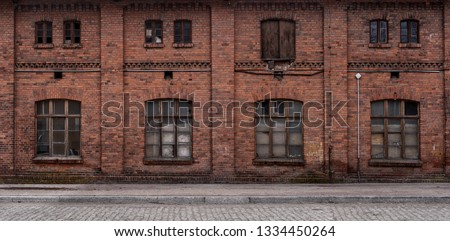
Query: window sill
x=168 y=161
x=57 y=160
x=395 y=163
x=183 y=45
x=72 y=46
x=409 y=45
x=379 y=45
x=153 y=45
x=278 y=162
x=44 y=46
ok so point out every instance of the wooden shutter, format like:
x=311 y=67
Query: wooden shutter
x=287 y=40
x=269 y=40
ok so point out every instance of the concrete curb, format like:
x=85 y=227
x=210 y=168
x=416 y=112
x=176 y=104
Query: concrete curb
x=220 y=199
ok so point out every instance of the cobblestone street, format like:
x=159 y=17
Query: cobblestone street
x=247 y=212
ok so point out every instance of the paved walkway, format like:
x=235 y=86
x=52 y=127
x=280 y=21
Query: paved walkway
x=228 y=194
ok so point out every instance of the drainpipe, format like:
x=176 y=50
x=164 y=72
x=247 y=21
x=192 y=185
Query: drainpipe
x=358 y=78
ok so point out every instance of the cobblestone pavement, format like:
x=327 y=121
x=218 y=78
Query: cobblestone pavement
x=247 y=212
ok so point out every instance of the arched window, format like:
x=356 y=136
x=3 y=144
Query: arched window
x=278 y=39
x=378 y=31
x=44 y=32
x=168 y=129
x=279 y=132
x=409 y=31
x=58 y=127
x=395 y=129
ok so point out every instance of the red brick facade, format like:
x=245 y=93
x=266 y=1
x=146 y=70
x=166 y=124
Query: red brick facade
x=222 y=67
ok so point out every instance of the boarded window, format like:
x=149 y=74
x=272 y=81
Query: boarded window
x=44 y=32
x=182 y=31
x=278 y=129
x=168 y=129
x=153 y=32
x=72 y=32
x=395 y=129
x=409 y=31
x=58 y=128
x=278 y=40
x=378 y=31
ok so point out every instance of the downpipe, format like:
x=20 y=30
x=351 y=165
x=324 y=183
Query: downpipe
x=358 y=165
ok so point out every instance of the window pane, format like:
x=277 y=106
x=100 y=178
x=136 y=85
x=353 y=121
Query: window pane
x=295 y=108
x=168 y=125
x=168 y=138
x=43 y=150
x=279 y=138
x=279 y=125
x=184 y=125
x=393 y=108
x=42 y=107
x=59 y=124
x=394 y=125
x=411 y=140
x=152 y=108
x=383 y=32
x=49 y=32
x=295 y=125
x=262 y=138
x=377 y=125
x=378 y=139
x=42 y=137
x=411 y=126
x=152 y=138
x=74 y=124
x=168 y=107
x=373 y=32
x=278 y=107
x=262 y=151
x=263 y=107
x=295 y=139
x=404 y=32
x=262 y=124
x=177 y=32
x=295 y=151
x=187 y=32
x=377 y=108
x=42 y=124
x=59 y=149
x=377 y=152
x=74 y=143
x=395 y=140
x=184 y=137
x=184 y=108
x=152 y=151
x=184 y=151
x=412 y=152
x=59 y=136
x=74 y=108
x=279 y=151
x=59 y=107
x=167 y=151
x=411 y=108
x=414 y=33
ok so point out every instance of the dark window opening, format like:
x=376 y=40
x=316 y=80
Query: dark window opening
x=378 y=31
x=58 y=74
x=278 y=40
x=395 y=75
x=182 y=31
x=153 y=32
x=409 y=31
x=168 y=75
x=72 y=32
x=44 y=32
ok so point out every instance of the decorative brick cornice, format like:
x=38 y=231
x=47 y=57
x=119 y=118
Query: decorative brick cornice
x=278 y=6
x=56 y=7
x=71 y=66
x=263 y=65
x=166 y=65
x=395 y=65
x=167 y=6
x=428 y=5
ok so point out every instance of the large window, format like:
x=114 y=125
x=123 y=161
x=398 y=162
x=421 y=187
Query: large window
x=183 y=31
x=168 y=129
x=395 y=129
x=378 y=31
x=58 y=126
x=279 y=132
x=72 y=32
x=153 y=32
x=409 y=31
x=278 y=40
x=44 y=32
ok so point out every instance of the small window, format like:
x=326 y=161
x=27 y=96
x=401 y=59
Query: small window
x=153 y=32
x=183 y=31
x=378 y=31
x=72 y=32
x=58 y=128
x=44 y=32
x=409 y=31
x=278 y=40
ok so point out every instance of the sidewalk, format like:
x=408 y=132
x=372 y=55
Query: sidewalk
x=228 y=193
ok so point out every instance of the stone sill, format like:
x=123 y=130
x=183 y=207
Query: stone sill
x=278 y=162
x=409 y=45
x=57 y=160
x=380 y=46
x=72 y=46
x=183 y=45
x=153 y=45
x=168 y=161
x=395 y=163
x=44 y=46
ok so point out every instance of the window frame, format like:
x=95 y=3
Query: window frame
x=378 y=37
x=280 y=58
x=176 y=116
x=182 y=33
x=153 y=23
x=409 y=28
x=50 y=116
x=288 y=118
x=72 y=32
x=402 y=117
x=46 y=25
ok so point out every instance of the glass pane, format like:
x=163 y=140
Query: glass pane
x=262 y=138
x=377 y=152
x=74 y=108
x=373 y=32
x=184 y=151
x=393 y=108
x=74 y=124
x=42 y=124
x=74 y=143
x=394 y=125
x=295 y=139
x=262 y=151
x=42 y=137
x=295 y=125
x=184 y=137
x=377 y=139
x=278 y=108
x=279 y=125
x=59 y=107
x=42 y=107
x=279 y=151
x=59 y=149
x=411 y=126
x=412 y=152
x=395 y=140
x=168 y=125
x=59 y=136
x=184 y=108
x=152 y=151
x=377 y=125
x=262 y=108
x=394 y=152
x=167 y=151
x=295 y=151
x=152 y=138
x=59 y=123
x=168 y=107
x=411 y=140
x=377 y=108
x=153 y=124
x=187 y=32
x=383 y=32
x=411 y=108
x=262 y=124
x=184 y=125
x=177 y=32
x=404 y=32
x=279 y=138
x=152 y=108
x=295 y=108
x=43 y=150
x=414 y=33
x=168 y=138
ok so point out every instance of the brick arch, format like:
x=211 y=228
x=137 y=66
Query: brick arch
x=58 y=93
x=285 y=15
x=394 y=93
x=182 y=94
x=277 y=93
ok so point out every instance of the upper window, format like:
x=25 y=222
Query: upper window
x=409 y=31
x=278 y=40
x=72 y=32
x=153 y=32
x=395 y=129
x=44 y=32
x=58 y=126
x=168 y=129
x=182 y=31
x=378 y=31
x=279 y=132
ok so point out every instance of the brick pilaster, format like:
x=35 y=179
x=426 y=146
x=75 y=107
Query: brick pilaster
x=447 y=85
